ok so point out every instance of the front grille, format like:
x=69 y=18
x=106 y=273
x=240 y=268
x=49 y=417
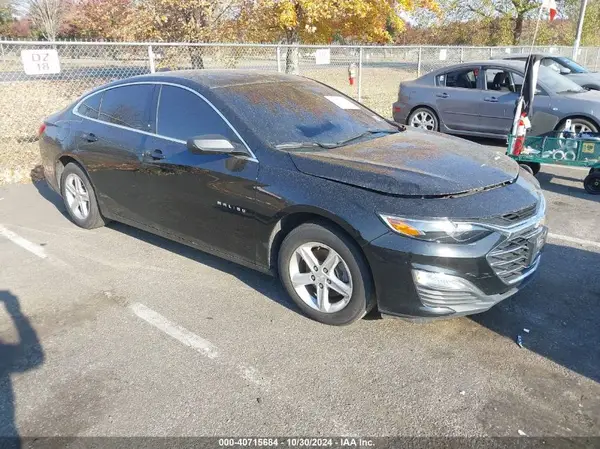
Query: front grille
x=511 y=259
x=514 y=217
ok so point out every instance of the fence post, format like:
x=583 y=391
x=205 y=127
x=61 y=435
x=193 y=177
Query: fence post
x=360 y=59
x=462 y=54
x=151 y=58
x=419 y=62
x=597 y=59
x=2 y=51
x=278 y=59
x=491 y=52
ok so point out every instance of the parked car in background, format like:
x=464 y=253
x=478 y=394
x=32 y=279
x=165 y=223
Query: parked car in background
x=565 y=66
x=478 y=99
x=288 y=176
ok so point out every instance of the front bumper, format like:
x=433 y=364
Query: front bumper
x=460 y=279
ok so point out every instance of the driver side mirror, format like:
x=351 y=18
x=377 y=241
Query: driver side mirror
x=564 y=71
x=214 y=144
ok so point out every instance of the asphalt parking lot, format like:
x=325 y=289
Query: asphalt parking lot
x=128 y=334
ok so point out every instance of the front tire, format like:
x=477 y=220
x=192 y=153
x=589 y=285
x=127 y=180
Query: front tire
x=79 y=198
x=580 y=125
x=325 y=274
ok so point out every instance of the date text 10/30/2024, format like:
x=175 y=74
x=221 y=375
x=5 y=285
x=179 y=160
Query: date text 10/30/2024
x=295 y=442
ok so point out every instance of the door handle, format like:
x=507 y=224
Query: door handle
x=491 y=99
x=155 y=154
x=90 y=137
x=444 y=95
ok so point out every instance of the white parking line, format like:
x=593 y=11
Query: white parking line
x=23 y=243
x=179 y=333
x=566 y=238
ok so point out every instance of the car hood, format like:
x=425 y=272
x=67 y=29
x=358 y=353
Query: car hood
x=585 y=78
x=412 y=163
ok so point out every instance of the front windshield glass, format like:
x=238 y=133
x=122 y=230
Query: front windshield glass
x=302 y=113
x=572 y=65
x=558 y=83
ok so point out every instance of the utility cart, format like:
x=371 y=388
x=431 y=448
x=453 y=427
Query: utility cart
x=565 y=148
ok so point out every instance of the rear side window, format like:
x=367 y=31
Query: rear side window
x=128 y=106
x=464 y=78
x=182 y=115
x=91 y=106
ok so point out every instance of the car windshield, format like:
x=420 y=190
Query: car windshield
x=571 y=65
x=558 y=83
x=299 y=114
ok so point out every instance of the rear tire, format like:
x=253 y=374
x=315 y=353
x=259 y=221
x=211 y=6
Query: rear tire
x=79 y=198
x=591 y=183
x=423 y=118
x=317 y=287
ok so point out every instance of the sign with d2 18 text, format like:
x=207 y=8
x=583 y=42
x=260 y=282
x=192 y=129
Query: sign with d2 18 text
x=40 y=62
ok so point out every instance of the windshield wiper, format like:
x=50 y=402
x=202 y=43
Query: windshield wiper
x=330 y=145
x=361 y=135
x=300 y=145
x=571 y=91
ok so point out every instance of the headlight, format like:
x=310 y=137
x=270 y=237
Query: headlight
x=436 y=230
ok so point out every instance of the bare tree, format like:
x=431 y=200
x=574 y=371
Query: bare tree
x=47 y=15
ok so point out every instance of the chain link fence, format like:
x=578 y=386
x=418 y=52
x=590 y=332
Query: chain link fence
x=376 y=73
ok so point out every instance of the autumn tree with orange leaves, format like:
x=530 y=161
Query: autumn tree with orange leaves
x=319 y=21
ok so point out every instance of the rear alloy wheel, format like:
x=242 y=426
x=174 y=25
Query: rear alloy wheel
x=79 y=198
x=325 y=274
x=423 y=118
x=591 y=183
x=580 y=125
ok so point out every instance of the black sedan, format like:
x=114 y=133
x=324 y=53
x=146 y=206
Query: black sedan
x=286 y=175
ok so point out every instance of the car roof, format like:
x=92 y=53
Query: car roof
x=519 y=65
x=214 y=79
x=525 y=55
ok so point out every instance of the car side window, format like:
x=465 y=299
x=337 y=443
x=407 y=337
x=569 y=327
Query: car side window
x=518 y=82
x=499 y=80
x=182 y=115
x=128 y=106
x=463 y=78
x=91 y=106
x=552 y=64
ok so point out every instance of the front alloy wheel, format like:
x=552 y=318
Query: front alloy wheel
x=320 y=277
x=325 y=273
x=579 y=125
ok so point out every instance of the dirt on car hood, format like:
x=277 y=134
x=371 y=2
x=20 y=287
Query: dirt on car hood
x=412 y=163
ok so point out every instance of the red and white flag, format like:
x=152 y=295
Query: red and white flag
x=550 y=5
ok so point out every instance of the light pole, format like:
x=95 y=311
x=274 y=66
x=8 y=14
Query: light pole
x=579 y=29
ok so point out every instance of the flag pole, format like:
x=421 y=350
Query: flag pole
x=520 y=100
x=537 y=27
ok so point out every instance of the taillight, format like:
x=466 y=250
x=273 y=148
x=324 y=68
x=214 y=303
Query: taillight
x=42 y=129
